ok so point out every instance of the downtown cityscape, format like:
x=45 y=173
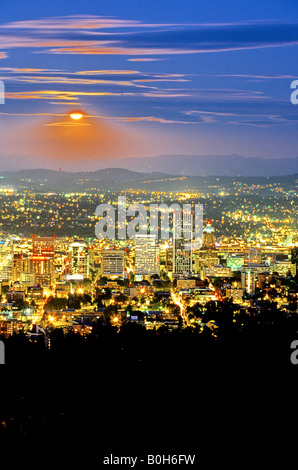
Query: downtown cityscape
x=248 y=254
x=148 y=233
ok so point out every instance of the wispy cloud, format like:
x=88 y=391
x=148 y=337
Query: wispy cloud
x=102 y=36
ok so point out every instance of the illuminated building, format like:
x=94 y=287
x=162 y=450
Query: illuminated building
x=79 y=259
x=42 y=267
x=17 y=266
x=203 y=258
x=8 y=327
x=42 y=261
x=217 y=271
x=209 y=238
x=6 y=260
x=235 y=293
x=254 y=255
x=284 y=268
x=146 y=255
x=166 y=257
x=234 y=261
x=28 y=278
x=43 y=246
x=249 y=274
x=182 y=242
x=112 y=263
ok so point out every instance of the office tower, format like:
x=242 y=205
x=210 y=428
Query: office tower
x=249 y=273
x=254 y=255
x=6 y=260
x=216 y=271
x=205 y=258
x=166 y=257
x=235 y=261
x=112 y=263
x=17 y=266
x=79 y=259
x=146 y=255
x=209 y=238
x=42 y=267
x=285 y=268
x=43 y=246
x=41 y=264
x=182 y=242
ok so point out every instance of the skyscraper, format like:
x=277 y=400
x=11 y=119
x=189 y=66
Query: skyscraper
x=182 y=242
x=209 y=238
x=43 y=246
x=146 y=255
x=6 y=260
x=112 y=263
x=79 y=259
x=42 y=261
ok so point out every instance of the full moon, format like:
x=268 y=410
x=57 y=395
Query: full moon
x=76 y=116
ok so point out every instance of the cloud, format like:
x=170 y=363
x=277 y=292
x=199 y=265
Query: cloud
x=57 y=94
x=144 y=59
x=247 y=118
x=72 y=22
x=107 y=72
x=92 y=35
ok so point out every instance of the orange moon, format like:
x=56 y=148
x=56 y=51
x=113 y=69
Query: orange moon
x=76 y=116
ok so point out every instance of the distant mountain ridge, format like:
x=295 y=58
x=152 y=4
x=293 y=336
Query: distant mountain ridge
x=185 y=165
x=119 y=179
x=213 y=165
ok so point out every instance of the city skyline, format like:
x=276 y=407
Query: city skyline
x=148 y=232
x=152 y=81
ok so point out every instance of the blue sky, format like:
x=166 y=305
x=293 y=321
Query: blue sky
x=151 y=78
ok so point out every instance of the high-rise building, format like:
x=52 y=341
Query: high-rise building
x=113 y=263
x=254 y=255
x=216 y=271
x=79 y=259
x=285 y=267
x=146 y=255
x=17 y=266
x=182 y=242
x=6 y=260
x=249 y=273
x=42 y=267
x=43 y=246
x=209 y=238
x=166 y=257
x=204 y=258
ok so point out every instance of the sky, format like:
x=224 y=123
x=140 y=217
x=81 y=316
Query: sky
x=150 y=78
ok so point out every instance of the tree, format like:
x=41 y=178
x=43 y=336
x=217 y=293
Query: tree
x=236 y=275
x=55 y=303
x=103 y=280
x=74 y=301
x=121 y=298
x=109 y=311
